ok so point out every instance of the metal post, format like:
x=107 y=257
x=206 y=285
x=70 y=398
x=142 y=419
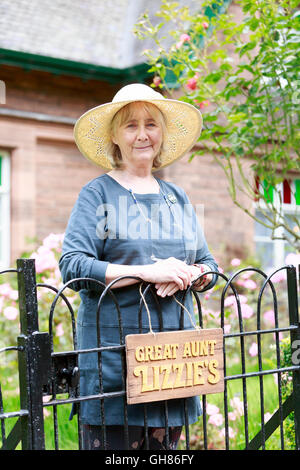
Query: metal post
x=34 y=358
x=295 y=342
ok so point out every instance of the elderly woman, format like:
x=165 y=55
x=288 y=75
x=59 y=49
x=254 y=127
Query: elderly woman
x=127 y=222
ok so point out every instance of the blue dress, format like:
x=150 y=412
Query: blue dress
x=108 y=224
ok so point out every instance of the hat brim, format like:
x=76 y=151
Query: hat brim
x=183 y=128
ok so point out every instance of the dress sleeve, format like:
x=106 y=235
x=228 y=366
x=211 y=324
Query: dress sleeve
x=82 y=247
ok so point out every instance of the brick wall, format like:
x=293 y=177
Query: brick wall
x=56 y=95
x=48 y=170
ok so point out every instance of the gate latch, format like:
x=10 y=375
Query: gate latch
x=70 y=376
x=65 y=374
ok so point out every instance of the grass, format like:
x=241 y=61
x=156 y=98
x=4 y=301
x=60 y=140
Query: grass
x=68 y=436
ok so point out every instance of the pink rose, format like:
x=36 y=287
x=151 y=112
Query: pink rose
x=230 y=300
x=156 y=81
x=211 y=409
x=6 y=290
x=278 y=277
x=231 y=433
x=59 y=330
x=216 y=419
x=269 y=316
x=231 y=416
x=203 y=104
x=293 y=258
x=253 y=350
x=247 y=283
x=11 y=313
x=246 y=311
x=237 y=404
x=192 y=83
x=235 y=262
x=44 y=259
x=53 y=240
x=185 y=38
x=205 y=25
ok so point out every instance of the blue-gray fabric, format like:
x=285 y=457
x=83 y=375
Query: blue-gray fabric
x=108 y=225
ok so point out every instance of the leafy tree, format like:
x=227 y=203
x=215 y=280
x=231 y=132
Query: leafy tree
x=243 y=73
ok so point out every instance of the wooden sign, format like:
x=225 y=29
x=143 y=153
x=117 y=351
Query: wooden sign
x=174 y=364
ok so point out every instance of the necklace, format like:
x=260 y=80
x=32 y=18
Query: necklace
x=170 y=200
x=139 y=207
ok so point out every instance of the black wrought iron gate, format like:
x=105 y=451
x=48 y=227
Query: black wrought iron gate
x=43 y=372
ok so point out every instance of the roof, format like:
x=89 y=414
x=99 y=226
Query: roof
x=97 y=32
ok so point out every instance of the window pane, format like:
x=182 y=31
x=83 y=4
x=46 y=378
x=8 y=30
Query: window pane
x=290 y=219
x=264 y=252
x=261 y=230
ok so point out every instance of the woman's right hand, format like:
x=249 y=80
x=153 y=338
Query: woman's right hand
x=167 y=271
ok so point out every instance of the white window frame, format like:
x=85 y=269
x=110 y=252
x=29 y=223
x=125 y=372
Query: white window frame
x=5 y=211
x=277 y=244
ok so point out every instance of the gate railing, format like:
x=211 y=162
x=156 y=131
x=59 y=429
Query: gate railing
x=45 y=372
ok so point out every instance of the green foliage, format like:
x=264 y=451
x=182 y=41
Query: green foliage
x=244 y=75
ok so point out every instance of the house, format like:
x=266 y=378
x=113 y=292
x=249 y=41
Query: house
x=57 y=60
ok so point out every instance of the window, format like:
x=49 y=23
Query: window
x=272 y=251
x=4 y=210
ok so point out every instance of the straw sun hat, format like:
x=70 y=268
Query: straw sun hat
x=183 y=125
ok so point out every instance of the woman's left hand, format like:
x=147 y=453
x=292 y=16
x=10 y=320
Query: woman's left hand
x=169 y=288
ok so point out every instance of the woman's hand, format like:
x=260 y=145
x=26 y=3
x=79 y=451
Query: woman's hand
x=169 y=288
x=169 y=275
x=170 y=270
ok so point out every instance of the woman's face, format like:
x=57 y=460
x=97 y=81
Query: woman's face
x=139 y=137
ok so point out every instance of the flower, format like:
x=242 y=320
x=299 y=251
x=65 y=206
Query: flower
x=235 y=262
x=269 y=316
x=156 y=81
x=246 y=310
x=205 y=25
x=231 y=300
x=11 y=313
x=293 y=258
x=6 y=290
x=53 y=240
x=183 y=38
x=237 y=404
x=44 y=259
x=216 y=419
x=59 y=330
x=231 y=433
x=192 y=83
x=253 y=350
x=278 y=276
x=211 y=409
x=202 y=104
x=232 y=416
x=248 y=284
